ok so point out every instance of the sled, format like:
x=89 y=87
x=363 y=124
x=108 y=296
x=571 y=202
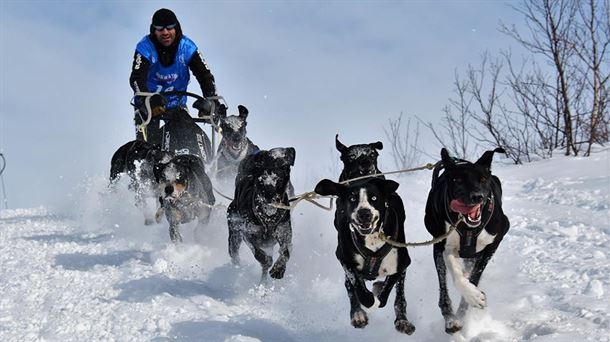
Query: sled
x=181 y=132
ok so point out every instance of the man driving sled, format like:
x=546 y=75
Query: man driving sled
x=161 y=63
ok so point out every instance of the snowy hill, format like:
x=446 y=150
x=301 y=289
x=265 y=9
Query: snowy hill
x=97 y=273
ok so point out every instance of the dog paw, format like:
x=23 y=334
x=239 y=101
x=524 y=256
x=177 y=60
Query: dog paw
x=475 y=297
x=404 y=326
x=359 y=319
x=452 y=325
x=277 y=272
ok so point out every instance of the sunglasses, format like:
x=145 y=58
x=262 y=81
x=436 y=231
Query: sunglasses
x=168 y=27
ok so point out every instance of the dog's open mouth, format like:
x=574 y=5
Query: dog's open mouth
x=235 y=145
x=472 y=213
x=364 y=228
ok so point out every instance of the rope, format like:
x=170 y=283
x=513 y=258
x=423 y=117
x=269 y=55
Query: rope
x=452 y=227
x=428 y=166
x=221 y=194
x=311 y=195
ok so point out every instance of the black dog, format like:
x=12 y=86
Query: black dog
x=138 y=159
x=358 y=160
x=186 y=192
x=263 y=180
x=369 y=208
x=234 y=146
x=470 y=191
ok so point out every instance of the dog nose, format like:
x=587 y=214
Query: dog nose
x=476 y=198
x=364 y=215
x=169 y=190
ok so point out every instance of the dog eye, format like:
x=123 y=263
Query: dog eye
x=352 y=199
x=373 y=198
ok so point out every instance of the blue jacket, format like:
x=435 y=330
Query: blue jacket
x=173 y=77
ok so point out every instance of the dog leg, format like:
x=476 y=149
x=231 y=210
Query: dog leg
x=469 y=291
x=357 y=315
x=382 y=289
x=476 y=273
x=235 y=238
x=264 y=259
x=174 y=232
x=401 y=323
x=283 y=235
x=365 y=297
x=452 y=324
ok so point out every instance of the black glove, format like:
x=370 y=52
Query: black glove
x=157 y=105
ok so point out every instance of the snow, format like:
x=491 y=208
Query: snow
x=95 y=272
x=235 y=122
x=360 y=151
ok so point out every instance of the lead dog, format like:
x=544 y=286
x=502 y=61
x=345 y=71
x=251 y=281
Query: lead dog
x=262 y=181
x=137 y=159
x=234 y=146
x=467 y=190
x=369 y=207
x=186 y=193
x=358 y=160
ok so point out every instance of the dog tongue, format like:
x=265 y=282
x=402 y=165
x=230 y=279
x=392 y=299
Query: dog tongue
x=459 y=207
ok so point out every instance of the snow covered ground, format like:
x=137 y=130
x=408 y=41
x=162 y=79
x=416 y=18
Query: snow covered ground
x=93 y=271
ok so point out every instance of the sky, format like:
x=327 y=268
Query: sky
x=305 y=70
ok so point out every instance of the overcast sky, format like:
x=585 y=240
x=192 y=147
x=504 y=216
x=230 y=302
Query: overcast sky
x=306 y=70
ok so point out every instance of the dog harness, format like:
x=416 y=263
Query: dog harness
x=372 y=260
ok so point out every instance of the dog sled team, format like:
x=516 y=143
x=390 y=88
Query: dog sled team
x=177 y=163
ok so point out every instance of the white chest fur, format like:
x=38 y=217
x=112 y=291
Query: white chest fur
x=389 y=263
x=453 y=241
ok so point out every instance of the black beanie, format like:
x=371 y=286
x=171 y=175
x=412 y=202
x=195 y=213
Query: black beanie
x=164 y=17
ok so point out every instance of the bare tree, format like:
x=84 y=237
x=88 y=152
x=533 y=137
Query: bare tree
x=551 y=23
x=454 y=126
x=590 y=41
x=404 y=140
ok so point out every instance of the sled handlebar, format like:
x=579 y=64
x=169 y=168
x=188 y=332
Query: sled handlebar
x=203 y=100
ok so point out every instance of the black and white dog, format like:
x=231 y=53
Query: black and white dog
x=234 y=146
x=186 y=192
x=370 y=208
x=262 y=181
x=137 y=159
x=467 y=190
x=358 y=160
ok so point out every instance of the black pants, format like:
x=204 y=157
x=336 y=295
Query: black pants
x=154 y=131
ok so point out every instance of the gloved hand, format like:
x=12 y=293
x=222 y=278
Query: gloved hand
x=157 y=105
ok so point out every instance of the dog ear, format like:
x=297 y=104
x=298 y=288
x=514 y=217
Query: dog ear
x=386 y=186
x=292 y=154
x=377 y=145
x=447 y=160
x=488 y=157
x=326 y=187
x=340 y=147
x=243 y=111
